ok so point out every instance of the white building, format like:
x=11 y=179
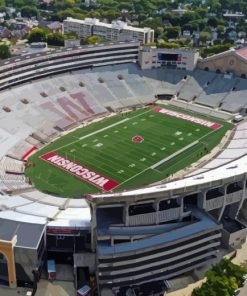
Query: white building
x=89 y=3
x=116 y=31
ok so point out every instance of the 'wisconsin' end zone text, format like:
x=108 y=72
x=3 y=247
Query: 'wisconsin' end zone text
x=80 y=171
x=210 y=124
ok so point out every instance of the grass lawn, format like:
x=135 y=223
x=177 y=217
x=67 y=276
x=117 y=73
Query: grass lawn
x=133 y=149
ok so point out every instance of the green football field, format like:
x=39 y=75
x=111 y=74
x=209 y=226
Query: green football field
x=131 y=150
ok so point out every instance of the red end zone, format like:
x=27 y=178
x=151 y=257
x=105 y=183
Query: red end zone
x=80 y=171
x=210 y=124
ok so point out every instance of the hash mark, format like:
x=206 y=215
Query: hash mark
x=132 y=165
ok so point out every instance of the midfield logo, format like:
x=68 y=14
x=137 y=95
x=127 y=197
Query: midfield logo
x=138 y=139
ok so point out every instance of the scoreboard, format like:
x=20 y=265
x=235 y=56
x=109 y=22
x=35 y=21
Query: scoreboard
x=169 y=57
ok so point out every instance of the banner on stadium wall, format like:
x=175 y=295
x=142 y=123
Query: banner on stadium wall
x=79 y=171
x=200 y=121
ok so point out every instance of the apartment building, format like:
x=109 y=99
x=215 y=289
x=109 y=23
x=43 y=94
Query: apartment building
x=116 y=31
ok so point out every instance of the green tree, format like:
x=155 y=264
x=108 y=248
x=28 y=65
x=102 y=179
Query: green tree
x=217 y=48
x=213 y=22
x=27 y=11
x=2 y=3
x=172 y=32
x=56 y=39
x=204 y=37
x=168 y=45
x=4 y=51
x=93 y=39
x=222 y=280
x=37 y=35
x=21 y=3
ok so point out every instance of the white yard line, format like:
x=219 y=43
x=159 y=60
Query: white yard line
x=167 y=158
x=173 y=155
x=134 y=176
x=102 y=129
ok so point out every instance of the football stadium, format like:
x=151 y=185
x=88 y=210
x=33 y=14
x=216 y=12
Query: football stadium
x=121 y=164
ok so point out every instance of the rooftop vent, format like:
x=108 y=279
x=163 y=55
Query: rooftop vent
x=199 y=177
x=232 y=167
x=81 y=84
x=24 y=101
x=101 y=80
x=120 y=77
x=6 y=109
x=43 y=94
x=62 y=88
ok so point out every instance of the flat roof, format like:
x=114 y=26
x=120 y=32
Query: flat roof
x=28 y=234
x=72 y=218
x=114 y=25
x=242 y=52
x=20 y=217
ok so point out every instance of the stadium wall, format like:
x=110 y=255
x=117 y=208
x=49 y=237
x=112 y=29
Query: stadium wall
x=227 y=62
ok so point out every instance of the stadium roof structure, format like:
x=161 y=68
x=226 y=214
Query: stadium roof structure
x=10 y=228
x=72 y=217
x=57 y=52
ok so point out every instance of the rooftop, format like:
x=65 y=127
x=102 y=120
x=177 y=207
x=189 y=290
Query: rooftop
x=242 y=52
x=119 y=25
x=9 y=228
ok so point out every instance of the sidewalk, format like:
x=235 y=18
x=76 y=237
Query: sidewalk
x=45 y=288
x=55 y=288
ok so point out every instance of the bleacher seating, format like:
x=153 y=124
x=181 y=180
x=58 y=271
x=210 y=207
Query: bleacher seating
x=195 y=84
x=34 y=113
x=215 y=92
